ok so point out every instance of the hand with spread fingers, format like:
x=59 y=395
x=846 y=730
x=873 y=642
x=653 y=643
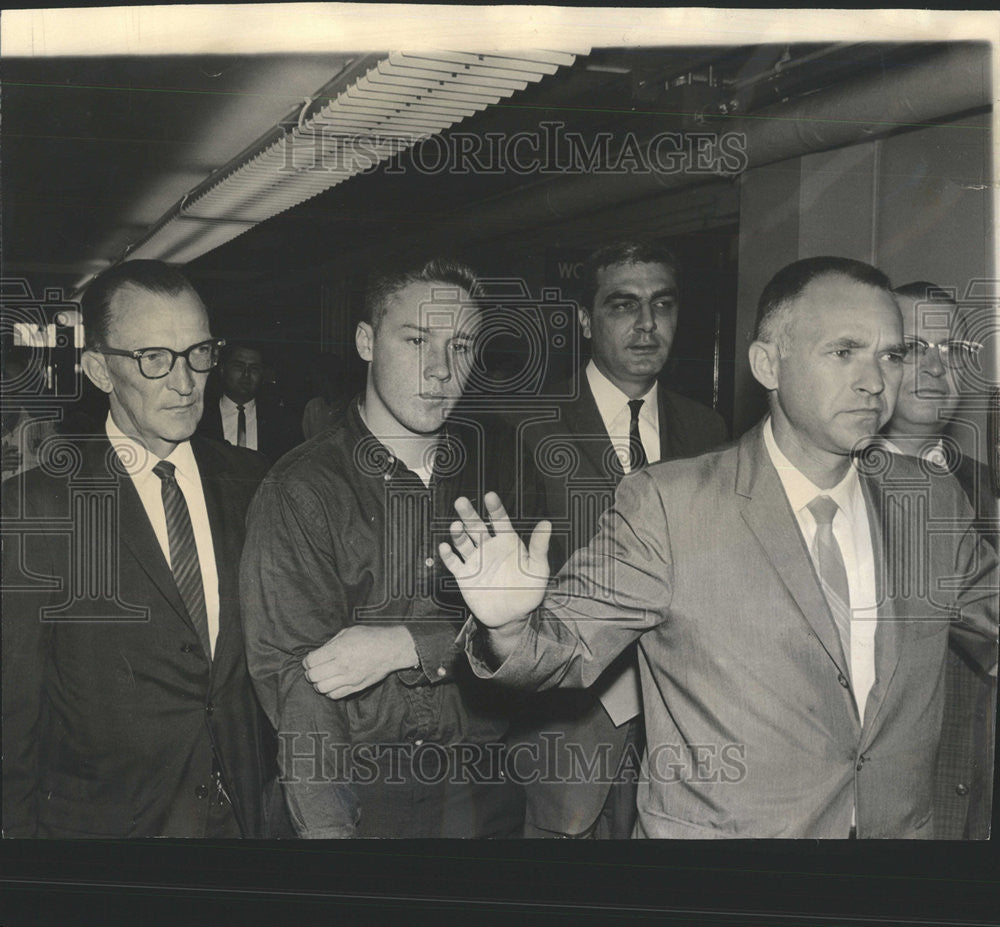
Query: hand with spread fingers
x=359 y=657
x=501 y=580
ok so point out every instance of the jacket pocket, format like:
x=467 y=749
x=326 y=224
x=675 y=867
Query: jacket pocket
x=64 y=812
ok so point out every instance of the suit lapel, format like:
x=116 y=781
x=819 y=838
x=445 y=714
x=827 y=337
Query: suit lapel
x=671 y=437
x=216 y=483
x=770 y=517
x=889 y=633
x=583 y=420
x=135 y=532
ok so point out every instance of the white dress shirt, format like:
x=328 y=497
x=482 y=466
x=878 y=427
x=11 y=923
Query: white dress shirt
x=612 y=404
x=138 y=462
x=622 y=697
x=852 y=530
x=230 y=420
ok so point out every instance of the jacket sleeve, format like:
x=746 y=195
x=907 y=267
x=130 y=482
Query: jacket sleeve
x=607 y=595
x=293 y=602
x=27 y=561
x=976 y=571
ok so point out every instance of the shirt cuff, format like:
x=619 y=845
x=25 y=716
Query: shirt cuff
x=437 y=652
x=475 y=639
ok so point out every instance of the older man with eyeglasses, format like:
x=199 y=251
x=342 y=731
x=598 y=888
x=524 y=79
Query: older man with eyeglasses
x=127 y=708
x=939 y=357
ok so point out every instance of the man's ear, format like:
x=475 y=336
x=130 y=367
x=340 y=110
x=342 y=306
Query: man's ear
x=95 y=366
x=765 y=364
x=364 y=340
x=583 y=316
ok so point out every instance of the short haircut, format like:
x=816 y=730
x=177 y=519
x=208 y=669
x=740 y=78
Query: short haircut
x=775 y=305
x=624 y=252
x=382 y=287
x=922 y=290
x=152 y=276
x=231 y=347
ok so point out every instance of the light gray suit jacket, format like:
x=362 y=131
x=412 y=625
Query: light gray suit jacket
x=752 y=730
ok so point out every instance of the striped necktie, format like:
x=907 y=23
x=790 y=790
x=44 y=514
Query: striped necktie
x=183 y=553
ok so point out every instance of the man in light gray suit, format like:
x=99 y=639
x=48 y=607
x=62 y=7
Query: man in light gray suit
x=791 y=631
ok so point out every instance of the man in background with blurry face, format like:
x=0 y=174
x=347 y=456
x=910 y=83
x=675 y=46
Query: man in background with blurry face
x=245 y=414
x=929 y=396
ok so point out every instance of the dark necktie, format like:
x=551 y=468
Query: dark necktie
x=636 y=452
x=831 y=569
x=241 y=427
x=183 y=552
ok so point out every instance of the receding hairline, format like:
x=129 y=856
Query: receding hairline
x=131 y=288
x=791 y=308
x=628 y=262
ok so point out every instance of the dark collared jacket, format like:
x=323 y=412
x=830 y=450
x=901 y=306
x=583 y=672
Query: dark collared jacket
x=341 y=533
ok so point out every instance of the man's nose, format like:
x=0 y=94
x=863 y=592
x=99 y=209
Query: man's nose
x=181 y=378
x=871 y=378
x=645 y=320
x=436 y=364
x=931 y=363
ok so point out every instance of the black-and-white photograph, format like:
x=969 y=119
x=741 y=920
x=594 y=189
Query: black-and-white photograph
x=449 y=422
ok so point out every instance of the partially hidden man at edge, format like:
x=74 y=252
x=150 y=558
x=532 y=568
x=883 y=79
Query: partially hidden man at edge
x=629 y=311
x=127 y=707
x=928 y=400
x=384 y=730
x=790 y=686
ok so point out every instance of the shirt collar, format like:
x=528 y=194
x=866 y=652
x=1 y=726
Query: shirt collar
x=611 y=400
x=931 y=452
x=226 y=401
x=801 y=490
x=383 y=460
x=139 y=461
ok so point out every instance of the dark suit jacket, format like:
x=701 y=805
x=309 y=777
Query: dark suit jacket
x=963 y=782
x=752 y=730
x=580 y=470
x=278 y=429
x=111 y=709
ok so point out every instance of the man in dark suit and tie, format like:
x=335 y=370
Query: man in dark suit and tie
x=241 y=413
x=792 y=633
x=937 y=354
x=127 y=707
x=618 y=419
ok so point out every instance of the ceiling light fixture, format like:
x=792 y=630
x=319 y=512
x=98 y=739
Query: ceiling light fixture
x=370 y=113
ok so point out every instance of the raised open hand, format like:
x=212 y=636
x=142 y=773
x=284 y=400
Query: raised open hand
x=501 y=580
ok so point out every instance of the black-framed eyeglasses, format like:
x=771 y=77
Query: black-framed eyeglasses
x=953 y=353
x=156 y=363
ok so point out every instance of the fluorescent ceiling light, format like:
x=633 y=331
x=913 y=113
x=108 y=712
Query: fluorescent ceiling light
x=397 y=102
